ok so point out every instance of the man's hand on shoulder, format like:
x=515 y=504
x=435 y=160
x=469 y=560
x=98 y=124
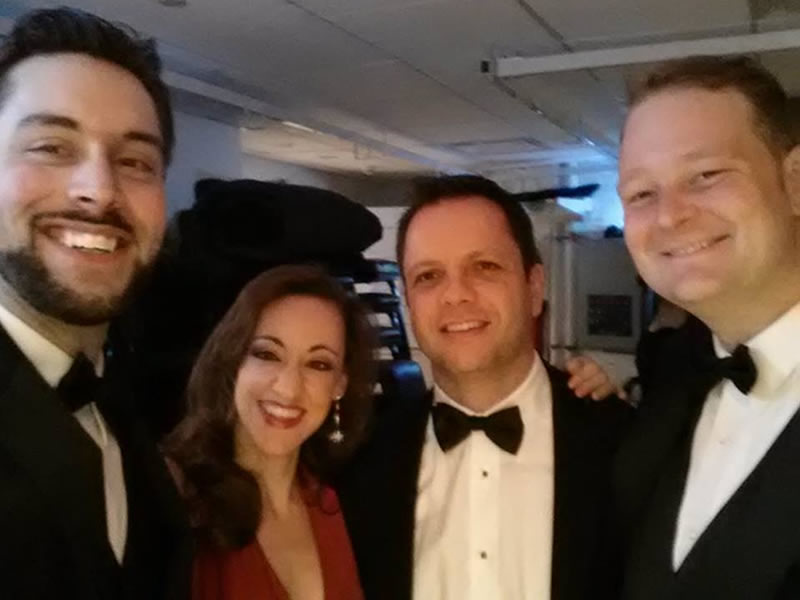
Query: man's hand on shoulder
x=588 y=378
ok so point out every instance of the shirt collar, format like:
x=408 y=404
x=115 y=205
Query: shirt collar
x=50 y=361
x=774 y=351
x=521 y=396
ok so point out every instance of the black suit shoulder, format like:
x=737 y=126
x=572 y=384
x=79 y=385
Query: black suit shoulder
x=52 y=509
x=587 y=560
x=669 y=356
x=672 y=398
x=378 y=493
x=608 y=420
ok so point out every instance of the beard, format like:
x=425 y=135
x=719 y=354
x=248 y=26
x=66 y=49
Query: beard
x=28 y=275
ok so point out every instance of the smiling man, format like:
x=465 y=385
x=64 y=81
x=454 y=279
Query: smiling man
x=709 y=176
x=87 y=509
x=493 y=485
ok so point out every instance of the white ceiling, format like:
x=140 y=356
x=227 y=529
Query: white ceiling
x=395 y=86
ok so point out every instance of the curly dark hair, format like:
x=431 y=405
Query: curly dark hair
x=223 y=498
x=72 y=31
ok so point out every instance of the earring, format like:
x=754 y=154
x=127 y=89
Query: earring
x=337 y=435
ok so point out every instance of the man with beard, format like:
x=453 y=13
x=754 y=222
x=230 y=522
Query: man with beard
x=87 y=509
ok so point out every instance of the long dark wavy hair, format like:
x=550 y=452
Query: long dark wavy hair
x=223 y=498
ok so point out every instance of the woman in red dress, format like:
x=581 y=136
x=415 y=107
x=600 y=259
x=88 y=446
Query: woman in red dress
x=277 y=399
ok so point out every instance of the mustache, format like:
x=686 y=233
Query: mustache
x=111 y=218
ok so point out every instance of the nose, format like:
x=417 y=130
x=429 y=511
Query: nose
x=458 y=289
x=93 y=183
x=674 y=207
x=287 y=382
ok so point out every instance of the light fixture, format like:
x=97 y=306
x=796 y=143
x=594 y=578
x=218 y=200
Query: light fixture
x=173 y=3
x=294 y=125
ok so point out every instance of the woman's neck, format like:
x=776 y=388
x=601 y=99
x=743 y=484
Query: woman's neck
x=276 y=477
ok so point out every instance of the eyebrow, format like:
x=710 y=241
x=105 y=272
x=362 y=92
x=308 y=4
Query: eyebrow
x=48 y=119
x=323 y=347
x=691 y=156
x=423 y=264
x=625 y=179
x=483 y=253
x=146 y=138
x=270 y=338
x=277 y=341
x=54 y=120
x=480 y=253
x=700 y=154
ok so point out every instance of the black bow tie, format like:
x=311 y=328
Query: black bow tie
x=738 y=367
x=452 y=426
x=80 y=385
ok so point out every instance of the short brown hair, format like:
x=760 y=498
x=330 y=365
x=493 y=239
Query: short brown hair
x=71 y=31
x=223 y=498
x=767 y=99
x=432 y=190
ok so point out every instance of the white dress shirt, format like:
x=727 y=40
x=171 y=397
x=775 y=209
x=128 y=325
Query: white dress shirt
x=735 y=430
x=484 y=517
x=52 y=363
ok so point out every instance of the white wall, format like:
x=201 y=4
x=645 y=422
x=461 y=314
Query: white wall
x=598 y=212
x=254 y=167
x=203 y=148
x=603 y=208
x=206 y=148
x=369 y=190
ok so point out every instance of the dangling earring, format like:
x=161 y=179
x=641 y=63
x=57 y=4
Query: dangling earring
x=336 y=436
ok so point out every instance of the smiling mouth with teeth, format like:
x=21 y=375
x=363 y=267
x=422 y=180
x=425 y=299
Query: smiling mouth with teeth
x=280 y=415
x=694 y=248
x=89 y=242
x=462 y=326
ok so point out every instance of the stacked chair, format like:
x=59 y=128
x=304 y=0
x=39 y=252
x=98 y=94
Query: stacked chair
x=398 y=376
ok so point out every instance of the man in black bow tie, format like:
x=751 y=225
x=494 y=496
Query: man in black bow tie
x=708 y=484
x=87 y=509
x=497 y=484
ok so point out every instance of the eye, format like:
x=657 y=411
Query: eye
x=707 y=177
x=264 y=354
x=639 y=196
x=50 y=149
x=139 y=165
x=319 y=364
x=487 y=266
x=426 y=277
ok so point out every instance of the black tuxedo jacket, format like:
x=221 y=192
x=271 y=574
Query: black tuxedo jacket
x=751 y=550
x=53 y=534
x=378 y=494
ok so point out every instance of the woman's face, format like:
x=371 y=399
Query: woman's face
x=291 y=374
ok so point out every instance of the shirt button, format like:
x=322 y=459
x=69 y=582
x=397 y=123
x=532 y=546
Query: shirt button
x=485 y=474
x=483 y=555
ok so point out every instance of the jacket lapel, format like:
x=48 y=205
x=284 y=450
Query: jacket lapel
x=748 y=534
x=586 y=556
x=379 y=495
x=158 y=545
x=59 y=457
x=664 y=423
x=574 y=521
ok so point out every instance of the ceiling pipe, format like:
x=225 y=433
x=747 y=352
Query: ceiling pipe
x=521 y=66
